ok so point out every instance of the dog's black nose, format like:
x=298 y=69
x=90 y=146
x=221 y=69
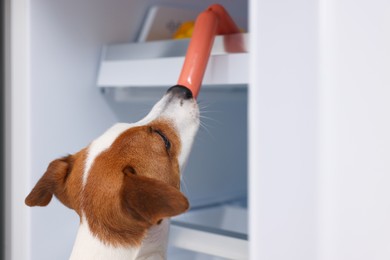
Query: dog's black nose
x=180 y=91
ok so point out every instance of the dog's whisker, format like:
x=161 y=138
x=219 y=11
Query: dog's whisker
x=204 y=126
x=210 y=123
x=208 y=112
x=209 y=118
x=185 y=187
x=202 y=108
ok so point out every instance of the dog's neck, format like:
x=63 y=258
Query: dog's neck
x=88 y=247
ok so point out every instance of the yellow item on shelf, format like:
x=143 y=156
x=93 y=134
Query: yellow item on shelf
x=185 y=30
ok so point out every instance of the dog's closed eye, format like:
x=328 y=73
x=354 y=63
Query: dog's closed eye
x=129 y=170
x=164 y=138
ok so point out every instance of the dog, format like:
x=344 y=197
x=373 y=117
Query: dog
x=125 y=185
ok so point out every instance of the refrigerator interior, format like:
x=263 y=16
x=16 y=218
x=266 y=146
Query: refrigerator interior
x=318 y=126
x=68 y=111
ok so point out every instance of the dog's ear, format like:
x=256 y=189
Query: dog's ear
x=151 y=199
x=52 y=182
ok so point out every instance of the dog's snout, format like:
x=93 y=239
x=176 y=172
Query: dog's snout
x=180 y=91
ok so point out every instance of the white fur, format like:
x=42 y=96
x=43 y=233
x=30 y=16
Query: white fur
x=89 y=247
x=156 y=241
x=184 y=115
x=185 y=118
x=101 y=144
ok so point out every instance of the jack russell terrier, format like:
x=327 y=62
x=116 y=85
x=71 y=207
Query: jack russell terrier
x=126 y=184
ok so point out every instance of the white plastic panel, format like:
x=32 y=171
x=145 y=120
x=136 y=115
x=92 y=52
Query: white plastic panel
x=319 y=130
x=209 y=243
x=219 y=231
x=222 y=70
x=355 y=126
x=282 y=122
x=17 y=128
x=159 y=64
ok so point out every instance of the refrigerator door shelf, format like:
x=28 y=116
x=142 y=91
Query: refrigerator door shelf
x=218 y=231
x=158 y=63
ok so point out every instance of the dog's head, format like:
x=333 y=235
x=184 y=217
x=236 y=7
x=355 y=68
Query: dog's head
x=128 y=179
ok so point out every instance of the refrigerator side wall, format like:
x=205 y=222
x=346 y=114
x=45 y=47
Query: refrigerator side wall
x=355 y=127
x=282 y=122
x=17 y=129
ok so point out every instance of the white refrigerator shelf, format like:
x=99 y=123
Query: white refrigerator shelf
x=158 y=63
x=218 y=231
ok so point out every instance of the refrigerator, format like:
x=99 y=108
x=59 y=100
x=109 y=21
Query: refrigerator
x=291 y=160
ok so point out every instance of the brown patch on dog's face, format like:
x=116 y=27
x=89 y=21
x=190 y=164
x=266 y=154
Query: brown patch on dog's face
x=134 y=183
x=131 y=186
